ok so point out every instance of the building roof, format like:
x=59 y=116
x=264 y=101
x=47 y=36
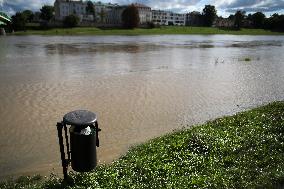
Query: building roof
x=99 y=3
x=139 y=5
x=164 y=11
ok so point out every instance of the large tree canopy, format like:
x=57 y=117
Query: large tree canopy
x=239 y=19
x=275 y=22
x=29 y=15
x=130 y=17
x=46 y=12
x=209 y=15
x=71 y=21
x=90 y=8
x=19 y=21
x=258 y=19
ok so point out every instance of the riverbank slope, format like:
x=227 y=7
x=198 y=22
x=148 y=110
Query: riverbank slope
x=164 y=30
x=241 y=151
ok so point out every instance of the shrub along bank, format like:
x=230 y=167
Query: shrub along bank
x=241 y=151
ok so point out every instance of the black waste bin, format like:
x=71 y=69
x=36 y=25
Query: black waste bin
x=83 y=150
x=83 y=155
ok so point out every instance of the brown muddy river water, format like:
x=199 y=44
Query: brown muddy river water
x=140 y=87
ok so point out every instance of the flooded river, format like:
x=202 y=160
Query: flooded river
x=140 y=87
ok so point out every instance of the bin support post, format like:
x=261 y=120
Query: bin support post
x=97 y=134
x=61 y=145
x=67 y=144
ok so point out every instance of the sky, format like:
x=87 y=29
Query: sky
x=224 y=7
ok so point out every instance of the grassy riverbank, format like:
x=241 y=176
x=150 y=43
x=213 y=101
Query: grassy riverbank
x=241 y=151
x=155 y=31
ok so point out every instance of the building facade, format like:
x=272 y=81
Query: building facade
x=168 y=18
x=104 y=12
x=145 y=13
x=111 y=14
x=63 y=8
x=114 y=15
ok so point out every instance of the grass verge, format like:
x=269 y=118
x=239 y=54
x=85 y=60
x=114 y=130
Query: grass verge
x=155 y=31
x=241 y=151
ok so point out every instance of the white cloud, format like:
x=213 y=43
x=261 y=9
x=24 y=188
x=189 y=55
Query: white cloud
x=18 y=5
x=224 y=7
x=249 y=5
x=221 y=3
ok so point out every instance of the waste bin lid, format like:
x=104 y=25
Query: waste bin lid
x=80 y=118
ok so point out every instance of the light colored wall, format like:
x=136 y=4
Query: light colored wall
x=63 y=9
x=113 y=13
x=166 y=17
x=145 y=14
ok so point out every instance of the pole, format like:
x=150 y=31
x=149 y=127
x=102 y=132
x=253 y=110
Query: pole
x=67 y=144
x=97 y=134
x=61 y=145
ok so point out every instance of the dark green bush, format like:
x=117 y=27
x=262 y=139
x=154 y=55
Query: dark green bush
x=71 y=21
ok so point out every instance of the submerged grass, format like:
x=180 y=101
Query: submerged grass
x=241 y=151
x=246 y=59
x=140 y=31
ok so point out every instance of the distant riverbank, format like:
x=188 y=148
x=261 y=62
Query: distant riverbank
x=165 y=30
x=240 y=151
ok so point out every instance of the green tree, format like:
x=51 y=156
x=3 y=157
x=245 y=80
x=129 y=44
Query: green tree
x=102 y=15
x=239 y=19
x=275 y=22
x=90 y=8
x=46 y=13
x=130 y=17
x=231 y=17
x=258 y=19
x=29 y=15
x=19 y=21
x=209 y=15
x=71 y=21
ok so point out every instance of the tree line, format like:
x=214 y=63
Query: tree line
x=240 y=19
x=258 y=20
x=130 y=18
x=20 y=19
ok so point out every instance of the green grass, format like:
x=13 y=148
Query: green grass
x=241 y=151
x=155 y=31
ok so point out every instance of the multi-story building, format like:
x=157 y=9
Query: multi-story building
x=145 y=13
x=107 y=13
x=168 y=18
x=103 y=10
x=114 y=15
x=65 y=8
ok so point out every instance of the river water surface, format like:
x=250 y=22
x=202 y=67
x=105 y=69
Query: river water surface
x=140 y=87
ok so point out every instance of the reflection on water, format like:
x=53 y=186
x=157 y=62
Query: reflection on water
x=252 y=44
x=140 y=87
x=87 y=48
